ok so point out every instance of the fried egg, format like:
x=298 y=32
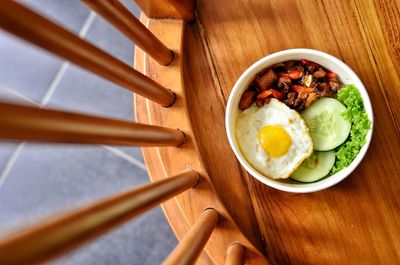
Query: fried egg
x=274 y=138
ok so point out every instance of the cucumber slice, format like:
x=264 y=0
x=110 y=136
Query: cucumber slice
x=328 y=128
x=315 y=167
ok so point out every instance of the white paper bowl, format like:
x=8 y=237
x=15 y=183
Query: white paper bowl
x=346 y=75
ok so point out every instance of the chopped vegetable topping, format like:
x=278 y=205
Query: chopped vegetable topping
x=306 y=62
x=297 y=83
x=264 y=94
x=330 y=75
x=292 y=75
x=277 y=94
x=304 y=89
x=356 y=114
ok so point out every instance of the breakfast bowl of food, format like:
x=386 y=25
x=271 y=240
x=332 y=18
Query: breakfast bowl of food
x=299 y=120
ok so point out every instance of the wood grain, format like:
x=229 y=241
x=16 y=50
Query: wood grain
x=380 y=20
x=357 y=220
x=192 y=203
x=201 y=95
x=171 y=207
x=178 y=9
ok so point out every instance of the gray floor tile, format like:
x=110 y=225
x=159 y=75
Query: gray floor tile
x=55 y=177
x=107 y=38
x=6 y=150
x=82 y=91
x=135 y=152
x=8 y=95
x=47 y=179
x=85 y=92
x=25 y=68
x=68 y=13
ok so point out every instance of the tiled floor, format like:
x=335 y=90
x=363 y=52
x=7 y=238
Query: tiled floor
x=38 y=180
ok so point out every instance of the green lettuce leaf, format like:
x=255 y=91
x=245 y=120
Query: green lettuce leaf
x=356 y=114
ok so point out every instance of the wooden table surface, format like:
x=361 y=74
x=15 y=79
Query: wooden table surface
x=358 y=220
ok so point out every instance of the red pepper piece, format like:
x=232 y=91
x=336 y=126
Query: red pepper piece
x=304 y=61
x=292 y=75
x=276 y=94
x=264 y=94
x=330 y=75
x=304 y=89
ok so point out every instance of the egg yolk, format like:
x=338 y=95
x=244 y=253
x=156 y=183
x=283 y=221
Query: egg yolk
x=275 y=140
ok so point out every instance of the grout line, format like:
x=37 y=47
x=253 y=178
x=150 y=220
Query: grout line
x=114 y=150
x=63 y=68
x=11 y=162
x=86 y=25
x=18 y=94
x=125 y=156
x=45 y=100
x=54 y=84
x=60 y=73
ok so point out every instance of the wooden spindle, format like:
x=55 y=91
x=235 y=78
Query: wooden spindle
x=18 y=122
x=120 y=17
x=54 y=237
x=28 y=25
x=235 y=255
x=179 y=9
x=193 y=243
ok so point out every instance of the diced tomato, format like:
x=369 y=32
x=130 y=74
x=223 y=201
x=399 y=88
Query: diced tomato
x=299 y=89
x=283 y=74
x=264 y=94
x=292 y=75
x=304 y=61
x=330 y=75
x=276 y=94
x=295 y=75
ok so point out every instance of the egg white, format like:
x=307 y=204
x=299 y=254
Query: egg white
x=253 y=119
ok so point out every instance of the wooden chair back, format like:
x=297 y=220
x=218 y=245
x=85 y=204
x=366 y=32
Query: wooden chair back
x=201 y=212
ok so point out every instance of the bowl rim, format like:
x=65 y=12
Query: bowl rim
x=296 y=187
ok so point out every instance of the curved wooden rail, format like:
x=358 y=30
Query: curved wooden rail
x=182 y=213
